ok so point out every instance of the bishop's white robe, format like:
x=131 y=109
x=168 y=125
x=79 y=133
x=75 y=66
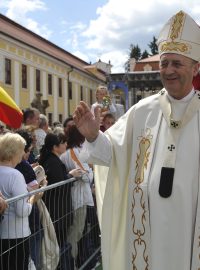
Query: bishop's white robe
x=140 y=229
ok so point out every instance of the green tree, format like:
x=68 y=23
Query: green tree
x=144 y=55
x=153 y=46
x=134 y=52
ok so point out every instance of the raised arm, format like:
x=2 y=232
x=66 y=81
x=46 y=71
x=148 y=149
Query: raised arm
x=87 y=123
x=98 y=150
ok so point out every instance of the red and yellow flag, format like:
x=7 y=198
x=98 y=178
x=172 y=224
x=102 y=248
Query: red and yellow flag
x=10 y=113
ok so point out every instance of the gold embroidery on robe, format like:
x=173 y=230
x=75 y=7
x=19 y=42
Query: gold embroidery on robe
x=138 y=201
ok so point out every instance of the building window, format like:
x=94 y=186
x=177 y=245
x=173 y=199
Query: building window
x=24 y=76
x=81 y=92
x=50 y=117
x=60 y=118
x=59 y=87
x=70 y=90
x=49 y=84
x=38 y=80
x=8 y=71
x=91 y=99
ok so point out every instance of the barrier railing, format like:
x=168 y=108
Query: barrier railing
x=53 y=236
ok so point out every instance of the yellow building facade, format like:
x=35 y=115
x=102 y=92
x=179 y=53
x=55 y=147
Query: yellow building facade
x=30 y=64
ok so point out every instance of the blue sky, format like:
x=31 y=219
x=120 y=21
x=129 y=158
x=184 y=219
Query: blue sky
x=93 y=29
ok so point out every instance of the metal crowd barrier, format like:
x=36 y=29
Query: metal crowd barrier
x=59 y=239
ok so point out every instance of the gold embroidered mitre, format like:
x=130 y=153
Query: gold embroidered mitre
x=180 y=35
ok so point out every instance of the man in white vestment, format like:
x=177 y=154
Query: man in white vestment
x=148 y=183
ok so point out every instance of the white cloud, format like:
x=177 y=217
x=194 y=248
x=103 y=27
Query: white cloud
x=4 y=4
x=120 y=23
x=64 y=22
x=63 y=32
x=74 y=40
x=71 y=34
x=116 y=58
x=41 y=30
x=18 y=11
x=81 y=55
x=79 y=26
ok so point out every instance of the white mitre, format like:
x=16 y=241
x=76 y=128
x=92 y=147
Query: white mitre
x=180 y=35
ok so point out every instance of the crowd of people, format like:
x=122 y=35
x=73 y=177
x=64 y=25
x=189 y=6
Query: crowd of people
x=32 y=157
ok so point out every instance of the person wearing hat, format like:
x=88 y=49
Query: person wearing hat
x=148 y=188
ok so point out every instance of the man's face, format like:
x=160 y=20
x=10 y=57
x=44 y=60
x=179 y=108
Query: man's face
x=177 y=72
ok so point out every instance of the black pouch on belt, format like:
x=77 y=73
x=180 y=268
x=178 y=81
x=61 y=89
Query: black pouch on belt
x=166 y=182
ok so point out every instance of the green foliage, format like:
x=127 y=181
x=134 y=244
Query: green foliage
x=134 y=52
x=153 y=46
x=144 y=55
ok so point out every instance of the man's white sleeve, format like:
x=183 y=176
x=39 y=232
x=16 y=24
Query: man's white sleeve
x=98 y=152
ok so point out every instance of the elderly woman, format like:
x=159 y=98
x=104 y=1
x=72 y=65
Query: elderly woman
x=30 y=178
x=14 y=227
